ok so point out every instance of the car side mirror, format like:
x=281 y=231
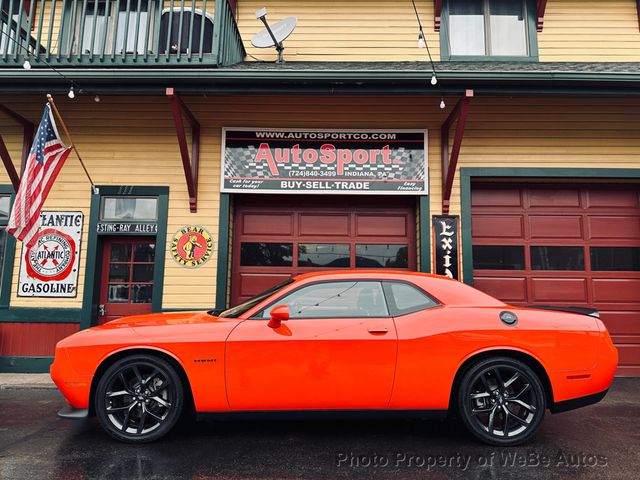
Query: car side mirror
x=279 y=314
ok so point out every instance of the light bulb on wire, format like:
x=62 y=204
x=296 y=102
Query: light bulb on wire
x=434 y=79
x=421 y=41
x=26 y=65
x=96 y=99
x=71 y=94
x=442 y=104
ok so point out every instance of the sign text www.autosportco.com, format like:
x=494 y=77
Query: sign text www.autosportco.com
x=319 y=161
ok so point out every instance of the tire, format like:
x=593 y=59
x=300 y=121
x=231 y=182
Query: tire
x=139 y=399
x=497 y=389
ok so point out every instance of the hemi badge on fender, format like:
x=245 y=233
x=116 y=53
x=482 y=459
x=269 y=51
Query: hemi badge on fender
x=204 y=360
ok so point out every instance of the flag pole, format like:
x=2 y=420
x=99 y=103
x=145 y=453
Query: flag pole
x=66 y=131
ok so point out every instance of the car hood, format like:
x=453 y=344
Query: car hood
x=159 y=319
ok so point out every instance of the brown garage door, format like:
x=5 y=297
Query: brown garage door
x=276 y=237
x=563 y=245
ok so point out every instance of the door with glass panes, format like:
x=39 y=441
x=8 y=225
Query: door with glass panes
x=127 y=277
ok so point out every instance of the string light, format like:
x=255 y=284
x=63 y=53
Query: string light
x=71 y=94
x=26 y=65
x=442 y=104
x=421 y=42
x=434 y=79
x=96 y=99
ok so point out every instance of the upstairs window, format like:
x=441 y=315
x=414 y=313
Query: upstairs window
x=489 y=29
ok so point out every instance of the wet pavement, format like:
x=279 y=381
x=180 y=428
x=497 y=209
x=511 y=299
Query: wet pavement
x=597 y=442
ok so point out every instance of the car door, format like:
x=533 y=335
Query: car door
x=337 y=351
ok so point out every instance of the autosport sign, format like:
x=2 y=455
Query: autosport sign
x=324 y=161
x=50 y=267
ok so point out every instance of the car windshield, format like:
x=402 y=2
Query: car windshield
x=239 y=309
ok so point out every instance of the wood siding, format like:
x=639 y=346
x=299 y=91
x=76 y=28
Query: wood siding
x=32 y=339
x=590 y=31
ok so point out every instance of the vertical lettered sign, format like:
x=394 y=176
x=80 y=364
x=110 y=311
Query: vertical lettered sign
x=445 y=233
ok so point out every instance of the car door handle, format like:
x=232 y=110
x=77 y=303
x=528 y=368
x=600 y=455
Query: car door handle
x=378 y=330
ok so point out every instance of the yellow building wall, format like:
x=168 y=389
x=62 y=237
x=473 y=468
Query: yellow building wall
x=132 y=141
x=357 y=30
x=590 y=31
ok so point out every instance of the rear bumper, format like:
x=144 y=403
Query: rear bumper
x=73 y=413
x=579 y=402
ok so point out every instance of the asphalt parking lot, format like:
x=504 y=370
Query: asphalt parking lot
x=596 y=442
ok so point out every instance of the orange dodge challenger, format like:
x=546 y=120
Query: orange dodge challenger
x=375 y=341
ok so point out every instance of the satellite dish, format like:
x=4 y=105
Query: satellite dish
x=273 y=35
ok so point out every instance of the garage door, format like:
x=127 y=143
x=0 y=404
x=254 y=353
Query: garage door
x=563 y=245
x=276 y=237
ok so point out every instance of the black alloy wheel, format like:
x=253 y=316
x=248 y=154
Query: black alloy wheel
x=501 y=401
x=139 y=399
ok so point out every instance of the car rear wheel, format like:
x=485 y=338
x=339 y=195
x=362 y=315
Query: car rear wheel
x=139 y=398
x=501 y=401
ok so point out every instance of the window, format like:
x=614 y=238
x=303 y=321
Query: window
x=404 y=298
x=323 y=255
x=4 y=217
x=615 y=259
x=131 y=267
x=557 y=258
x=127 y=209
x=261 y=254
x=498 y=257
x=382 y=256
x=489 y=28
x=335 y=300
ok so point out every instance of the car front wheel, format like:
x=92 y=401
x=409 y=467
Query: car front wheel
x=501 y=401
x=139 y=398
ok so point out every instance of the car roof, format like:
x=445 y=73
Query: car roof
x=378 y=272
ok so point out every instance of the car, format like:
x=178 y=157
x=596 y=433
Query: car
x=349 y=342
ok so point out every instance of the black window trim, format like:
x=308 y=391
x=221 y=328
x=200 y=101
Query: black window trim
x=275 y=302
x=391 y=303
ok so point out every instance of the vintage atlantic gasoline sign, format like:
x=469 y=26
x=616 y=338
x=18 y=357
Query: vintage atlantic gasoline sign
x=191 y=246
x=50 y=267
x=445 y=231
x=324 y=161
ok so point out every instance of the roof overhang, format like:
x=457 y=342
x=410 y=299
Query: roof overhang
x=390 y=78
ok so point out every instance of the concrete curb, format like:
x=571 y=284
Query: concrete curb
x=26 y=380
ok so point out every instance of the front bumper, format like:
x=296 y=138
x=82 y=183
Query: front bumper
x=73 y=413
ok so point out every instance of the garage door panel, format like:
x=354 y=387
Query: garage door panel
x=267 y=224
x=490 y=226
x=613 y=199
x=381 y=225
x=508 y=289
x=611 y=228
x=497 y=197
x=254 y=283
x=610 y=290
x=555 y=226
x=554 y=198
x=621 y=322
x=333 y=225
x=562 y=290
x=628 y=355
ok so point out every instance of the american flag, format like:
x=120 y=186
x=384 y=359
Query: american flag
x=46 y=158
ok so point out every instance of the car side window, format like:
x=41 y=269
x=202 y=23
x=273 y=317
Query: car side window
x=404 y=298
x=355 y=299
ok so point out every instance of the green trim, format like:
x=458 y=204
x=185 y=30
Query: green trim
x=91 y=296
x=532 y=34
x=467 y=174
x=40 y=315
x=224 y=223
x=25 y=364
x=425 y=234
x=6 y=270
